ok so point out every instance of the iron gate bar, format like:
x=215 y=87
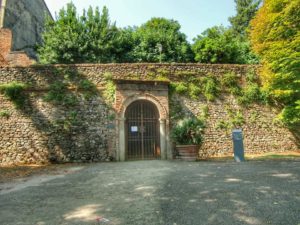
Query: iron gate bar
x=143 y=143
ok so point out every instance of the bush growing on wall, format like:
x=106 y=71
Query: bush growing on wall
x=14 y=91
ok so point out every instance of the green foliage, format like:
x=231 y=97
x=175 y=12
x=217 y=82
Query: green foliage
x=14 y=91
x=290 y=115
x=4 y=114
x=91 y=37
x=252 y=92
x=58 y=94
x=235 y=119
x=223 y=125
x=180 y=88
x=187 y=75
x=164 y=33
x=89 y=88
x=251 y=77
x=245 y=11
x=162 y=78
x=275 y=37
x=204 y=113
x=210 y=87
x=73 y=39
x=228 y=45
x=109 y=92
x=188 y=131
x=194 y=91
x=230 y=83
x=220 y=45
x=108 y=76
x=111 y=117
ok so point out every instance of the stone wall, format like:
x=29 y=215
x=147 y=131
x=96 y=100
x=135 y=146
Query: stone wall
x=43 y=75
x=45 y=131
x=261 y=134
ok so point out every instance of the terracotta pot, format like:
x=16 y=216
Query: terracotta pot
x=187 y=151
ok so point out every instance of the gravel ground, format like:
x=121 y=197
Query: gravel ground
x=157 y=192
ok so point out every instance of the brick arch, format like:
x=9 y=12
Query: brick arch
x=161 y=109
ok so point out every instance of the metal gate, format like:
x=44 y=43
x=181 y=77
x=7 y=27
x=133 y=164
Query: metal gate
x=142 y=131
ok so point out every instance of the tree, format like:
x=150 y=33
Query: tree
x=73 y=39
x=161 y=34
x=100 y=36
x=125 y=44
x=220 y=45
x=228 y=45
x=245 y=11
x=61 y=42
x=275 y=37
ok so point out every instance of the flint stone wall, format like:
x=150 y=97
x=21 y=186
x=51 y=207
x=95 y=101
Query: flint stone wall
x=40 y=132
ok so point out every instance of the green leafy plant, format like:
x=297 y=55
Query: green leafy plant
x=235 y=120
x=4 y=114
x=163 y=72
x=210 y=87
x=180 y=88
x=251 y=76
x=188 y=132
x=250 y=94
x=194 y=91
x=109 y=92
x=14 y=91
x=58 y=94
x=108 y=76
x=162 y=78
x=89 y=88
x=230 y=83
x=223 y=125
x=204 y=112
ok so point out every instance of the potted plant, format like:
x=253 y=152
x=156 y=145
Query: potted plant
x=187 y=135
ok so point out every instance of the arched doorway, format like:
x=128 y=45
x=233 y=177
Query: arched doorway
x=142 y=131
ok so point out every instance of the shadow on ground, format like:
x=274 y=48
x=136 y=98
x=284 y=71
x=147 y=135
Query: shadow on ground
x=161 y=192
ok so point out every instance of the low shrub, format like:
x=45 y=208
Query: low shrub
x=188 y=132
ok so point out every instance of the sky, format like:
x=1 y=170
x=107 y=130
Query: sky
x=195 y=16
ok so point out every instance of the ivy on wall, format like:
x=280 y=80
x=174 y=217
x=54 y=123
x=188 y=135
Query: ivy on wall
x=110 y=89
x=211 y=87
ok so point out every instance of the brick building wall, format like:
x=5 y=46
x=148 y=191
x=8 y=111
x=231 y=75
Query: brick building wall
x=8 y=57
x=26 y=19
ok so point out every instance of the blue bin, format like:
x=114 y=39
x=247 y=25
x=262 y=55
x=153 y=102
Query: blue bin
x=238 y=145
